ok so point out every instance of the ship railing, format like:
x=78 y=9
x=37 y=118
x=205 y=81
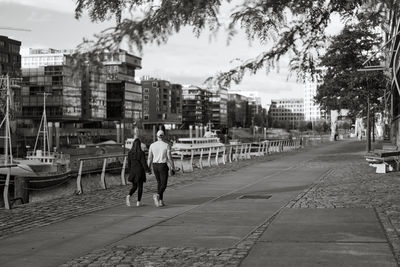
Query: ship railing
x=212 y=155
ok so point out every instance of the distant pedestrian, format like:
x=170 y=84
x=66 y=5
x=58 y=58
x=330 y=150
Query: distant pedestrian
x=137 y=167
x=159 y=156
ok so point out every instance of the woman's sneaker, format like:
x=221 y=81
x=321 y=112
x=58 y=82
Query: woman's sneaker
x=127 y=201
x=138 y=204
x=156 y=199
x=161 y=203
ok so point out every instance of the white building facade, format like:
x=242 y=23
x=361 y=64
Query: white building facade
x=289 y=111
x=312 y=111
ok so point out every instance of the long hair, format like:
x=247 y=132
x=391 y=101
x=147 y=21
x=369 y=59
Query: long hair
x=136 y=146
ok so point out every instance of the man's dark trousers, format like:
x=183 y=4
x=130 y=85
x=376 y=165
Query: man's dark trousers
x=161 y=173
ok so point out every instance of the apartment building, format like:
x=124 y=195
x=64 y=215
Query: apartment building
x=10 y=58
x=162 y=103
x=219 y=107
x=196 y=109
x=238 y=108
x=287 y=111
x=87 y=97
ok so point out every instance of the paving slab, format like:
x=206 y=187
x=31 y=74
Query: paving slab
x=206 y=236
x=80 y=235
x=322 y=237
x=206 y=223
x=302 y=254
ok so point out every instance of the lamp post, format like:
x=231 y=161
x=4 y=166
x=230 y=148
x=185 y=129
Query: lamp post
x=368 y=123
x=365 y=69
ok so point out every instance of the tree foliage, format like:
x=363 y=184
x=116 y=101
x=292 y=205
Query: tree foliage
x=343 y=86
x=291 y=26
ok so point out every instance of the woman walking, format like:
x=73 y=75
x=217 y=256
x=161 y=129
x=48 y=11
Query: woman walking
x=137 y=167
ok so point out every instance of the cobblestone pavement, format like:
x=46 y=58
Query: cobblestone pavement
x=353 y=184
x=33 y=215
x=349 y=183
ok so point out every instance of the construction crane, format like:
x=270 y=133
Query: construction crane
x=14 y=29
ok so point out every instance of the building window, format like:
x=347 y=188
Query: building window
x=146 y=117
x=154 y=84
x=146 y=90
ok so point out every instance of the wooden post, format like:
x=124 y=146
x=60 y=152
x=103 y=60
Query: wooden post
x=21 y=190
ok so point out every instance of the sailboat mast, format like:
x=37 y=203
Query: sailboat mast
x=7 y=132
x=44 y=124
x=45 y=132
x=7 y=123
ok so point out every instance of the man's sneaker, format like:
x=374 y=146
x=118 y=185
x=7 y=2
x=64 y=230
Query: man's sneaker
x=156 y=198
x=127 y=201
x=161 y=203
x=138 y=204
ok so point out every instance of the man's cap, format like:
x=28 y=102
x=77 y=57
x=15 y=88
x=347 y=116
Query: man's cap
x=160 y=133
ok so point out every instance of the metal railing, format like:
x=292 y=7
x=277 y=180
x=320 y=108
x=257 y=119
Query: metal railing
x=79 y=189
x=204 y=157
x=229 y=153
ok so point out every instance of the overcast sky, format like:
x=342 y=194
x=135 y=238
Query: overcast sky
x=184 y=59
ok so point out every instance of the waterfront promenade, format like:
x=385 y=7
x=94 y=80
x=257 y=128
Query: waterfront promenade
x=317 y=206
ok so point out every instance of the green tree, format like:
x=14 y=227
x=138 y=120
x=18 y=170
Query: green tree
x=343 y=86
x=297 y=27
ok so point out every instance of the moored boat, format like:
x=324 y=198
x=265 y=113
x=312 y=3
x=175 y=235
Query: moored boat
x=185 y=146
x=42 y=167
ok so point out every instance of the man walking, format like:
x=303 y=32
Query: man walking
x=159 y=156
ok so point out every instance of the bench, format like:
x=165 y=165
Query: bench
x=384 y=160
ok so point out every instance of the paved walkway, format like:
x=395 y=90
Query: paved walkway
x=320 y=206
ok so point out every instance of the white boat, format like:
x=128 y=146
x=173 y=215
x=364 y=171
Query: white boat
x=42 y=166
x=184 y=146
x=235 y=142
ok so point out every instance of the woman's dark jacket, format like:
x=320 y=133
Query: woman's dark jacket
x=137 y=167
